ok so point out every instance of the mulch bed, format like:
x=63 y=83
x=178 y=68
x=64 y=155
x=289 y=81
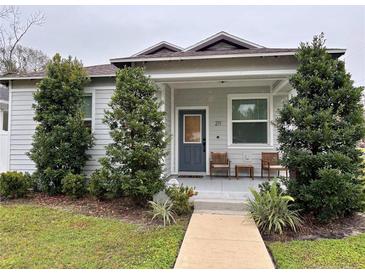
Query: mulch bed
x=121 y=208
x=312 y=230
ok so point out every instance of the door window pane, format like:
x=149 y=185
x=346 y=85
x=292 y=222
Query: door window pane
x=192 y=128
x=249 y=109
x=252 y=132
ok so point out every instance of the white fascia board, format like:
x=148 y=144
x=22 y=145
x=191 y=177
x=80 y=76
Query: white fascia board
x=229 y=74
x=223 y=56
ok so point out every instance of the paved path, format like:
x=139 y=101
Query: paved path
x=220 y=240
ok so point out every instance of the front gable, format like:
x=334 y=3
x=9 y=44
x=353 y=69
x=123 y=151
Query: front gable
x=222 y=41
x=222 y=45
x=160 y=48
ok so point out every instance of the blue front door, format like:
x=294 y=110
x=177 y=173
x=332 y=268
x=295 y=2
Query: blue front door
x=192 y=140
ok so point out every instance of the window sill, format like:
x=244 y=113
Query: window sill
x=253 y=146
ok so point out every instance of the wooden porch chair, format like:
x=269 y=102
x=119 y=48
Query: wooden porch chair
x=220 y=161
x=269 y=162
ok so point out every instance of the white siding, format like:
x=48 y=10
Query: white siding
x=216 y=100
x=278 y=103
x=4 y=150
x=167 y=103
x=101 y=130
x=21 y=130
x=22 y=126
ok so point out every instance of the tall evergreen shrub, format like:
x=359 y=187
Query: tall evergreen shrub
x=133 y=165
x=61 y=140
x=319 y=130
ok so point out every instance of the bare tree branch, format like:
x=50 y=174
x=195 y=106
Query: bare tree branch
x=4 y=11
x=12 y=32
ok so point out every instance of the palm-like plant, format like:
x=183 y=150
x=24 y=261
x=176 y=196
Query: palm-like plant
x=272 y=212
x=163 y=211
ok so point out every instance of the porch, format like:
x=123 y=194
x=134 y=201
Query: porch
x=231 y=115
x=220 y=188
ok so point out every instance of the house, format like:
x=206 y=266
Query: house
x=221 y=94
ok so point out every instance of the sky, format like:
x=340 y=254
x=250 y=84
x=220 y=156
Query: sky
x=95 y=34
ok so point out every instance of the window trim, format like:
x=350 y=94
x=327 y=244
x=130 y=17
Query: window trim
x=230 y=98
x=92 y=119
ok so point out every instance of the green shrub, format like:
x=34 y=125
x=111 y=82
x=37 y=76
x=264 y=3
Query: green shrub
x=163 y=212
x=272 y=212
x=179 y=196
x=74 y=185
x=61 y=139
x=138 y=131
x=319 y=131
x=49 y=180
x=14 y=184
x=102 y=186
x=333 y=195
x=266 y=186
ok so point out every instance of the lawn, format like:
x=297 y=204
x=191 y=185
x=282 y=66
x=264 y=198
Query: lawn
x=40 y=237
x=327 y=253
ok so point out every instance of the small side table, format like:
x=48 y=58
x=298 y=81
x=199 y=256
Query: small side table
x=241 y=168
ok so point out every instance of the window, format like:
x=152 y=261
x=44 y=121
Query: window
x=87 y=110
x=192 y=128
x=249 y=121
x=5 y=120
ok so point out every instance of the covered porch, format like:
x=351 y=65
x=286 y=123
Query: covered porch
x=227 y=114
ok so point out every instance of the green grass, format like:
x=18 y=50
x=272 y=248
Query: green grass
x=327 y=253
x=39 y=237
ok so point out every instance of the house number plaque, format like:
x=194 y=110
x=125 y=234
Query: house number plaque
x=218 y=123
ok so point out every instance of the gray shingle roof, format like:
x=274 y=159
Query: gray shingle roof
x=93 y=71
x=212 y=54
x=226 y=52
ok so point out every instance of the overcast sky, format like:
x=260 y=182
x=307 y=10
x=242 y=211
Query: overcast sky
x=95 y=34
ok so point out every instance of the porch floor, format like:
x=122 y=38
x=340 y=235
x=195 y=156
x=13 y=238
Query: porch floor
x=221 y=187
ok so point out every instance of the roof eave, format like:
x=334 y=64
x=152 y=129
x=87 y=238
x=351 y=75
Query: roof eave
x=154 y=59
x=9 y=78
x=339 y=52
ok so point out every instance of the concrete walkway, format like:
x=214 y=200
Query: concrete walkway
x=222 y=240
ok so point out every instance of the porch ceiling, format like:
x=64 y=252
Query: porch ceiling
x=277 y=85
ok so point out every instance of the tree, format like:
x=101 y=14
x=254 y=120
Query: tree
x=319 y=130
x=15 y=58
x=134 y=161
x=27 y=60
x=61 y=139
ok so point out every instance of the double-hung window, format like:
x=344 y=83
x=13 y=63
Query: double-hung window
x=249 y=121
x=87 y=110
